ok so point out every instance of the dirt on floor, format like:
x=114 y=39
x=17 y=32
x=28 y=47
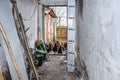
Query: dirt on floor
x=56 y=69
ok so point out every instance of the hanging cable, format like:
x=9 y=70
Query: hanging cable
x=33 y=13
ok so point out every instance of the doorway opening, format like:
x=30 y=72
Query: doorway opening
x=55 y=33
x=55 y=29
x=59 y=28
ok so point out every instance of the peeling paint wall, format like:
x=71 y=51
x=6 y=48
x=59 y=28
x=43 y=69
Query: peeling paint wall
x=99 y=38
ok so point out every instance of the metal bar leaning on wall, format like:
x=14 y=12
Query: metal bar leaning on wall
x=20 y=22
x=10 y=52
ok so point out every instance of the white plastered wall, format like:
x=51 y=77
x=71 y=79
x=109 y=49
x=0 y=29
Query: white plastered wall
x=99 y=38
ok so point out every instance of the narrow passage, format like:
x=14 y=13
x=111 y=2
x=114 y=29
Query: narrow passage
x=56 y=69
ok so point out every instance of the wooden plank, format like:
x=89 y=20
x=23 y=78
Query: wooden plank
x=1 y=75
x=10 y=52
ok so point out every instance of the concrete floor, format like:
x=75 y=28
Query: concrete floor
x=56 y=69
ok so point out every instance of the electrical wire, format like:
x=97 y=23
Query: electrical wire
x=33 y=13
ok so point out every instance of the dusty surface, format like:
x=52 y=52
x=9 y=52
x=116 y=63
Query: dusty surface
x=56 y=69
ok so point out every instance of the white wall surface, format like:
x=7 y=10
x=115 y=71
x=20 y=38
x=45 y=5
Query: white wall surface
x=6 y=18
x=28 y=10
x=54 y=2
x=99 y=38
x=7 y=21
x=40 y=20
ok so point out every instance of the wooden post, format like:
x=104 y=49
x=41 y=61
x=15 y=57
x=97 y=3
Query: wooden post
x=11 y=53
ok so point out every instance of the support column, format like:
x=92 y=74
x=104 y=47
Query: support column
x=71 y=36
